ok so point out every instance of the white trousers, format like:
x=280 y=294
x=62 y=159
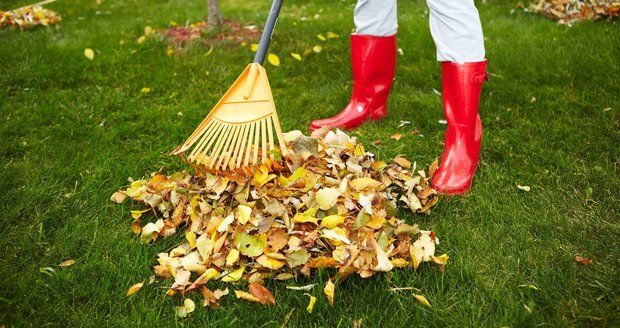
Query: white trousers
x=455 y=26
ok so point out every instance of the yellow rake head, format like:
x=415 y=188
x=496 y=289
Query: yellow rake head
x=239 y=131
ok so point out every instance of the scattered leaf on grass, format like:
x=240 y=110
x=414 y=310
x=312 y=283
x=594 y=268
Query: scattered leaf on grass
x=66 y=263
x=273 y=59
x=329 y=291
x=311 y=302
x=296 y=56
x=582 y=260
x=118 y=197
x=246 y=296
x=397 y=136
x=134 y=288
x=262 y=294
x=89 y=53
x=321 y=37
x=317 y=49
x=47 y=270
x=422 y=300
x=187 y=308
x=524 y=188
x=145 y=90
x=332 y=35
x=307 y=287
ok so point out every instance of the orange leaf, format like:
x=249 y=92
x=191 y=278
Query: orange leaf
x=135 y=288
x=262 y=293
x=582 y=260
x=397 y=136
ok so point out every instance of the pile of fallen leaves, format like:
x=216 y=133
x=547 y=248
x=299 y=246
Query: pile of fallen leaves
x=229 y=31
x=330 y=205
x=28 y=16
x=570 y=11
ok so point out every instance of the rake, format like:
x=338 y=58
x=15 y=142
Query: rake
x=238 y=133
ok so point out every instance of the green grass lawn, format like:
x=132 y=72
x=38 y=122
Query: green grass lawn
x=72 y=130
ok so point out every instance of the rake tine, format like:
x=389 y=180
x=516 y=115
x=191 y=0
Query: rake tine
x=212 y=126
x=264 y=143
x=270 y=135
x=235 y=141
x=226 y=149
x=216 y=149
x=249 y=146
x=256 y=143
x=209 y=139
x=276 y=122
x=233 y=159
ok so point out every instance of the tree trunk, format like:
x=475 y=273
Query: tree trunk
x=215 y=15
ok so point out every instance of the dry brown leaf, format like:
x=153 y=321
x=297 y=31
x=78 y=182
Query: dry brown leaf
x=262 y=294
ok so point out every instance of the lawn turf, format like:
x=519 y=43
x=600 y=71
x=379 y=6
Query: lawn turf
x=73 y=130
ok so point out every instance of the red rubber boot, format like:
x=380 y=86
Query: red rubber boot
x=374 y=60
x=462 y=85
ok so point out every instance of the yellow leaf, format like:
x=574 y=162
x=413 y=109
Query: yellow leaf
x=204 y=246
x=310 y=303
x=307 y=216
x=254 y=47
x=329 y=291
x=326 y=198
x=232 y=257
x=273 y=59
x=188 y=307
x=317 y=49
x=136 y=214
x=145 y=90
x=441 y=260
x=234 y=275
x=416 y=254
x=89 y=53
x=191 y=238
x=262 y=176
x=250 y=245
x=269 y=262
x=336 y=236
x=321 y=37
x=246 y=296
x=141 y=39
x=134 y=289
x=332 y=35
x=148 y=30
x=397 y=136
x=332 y=221
x=361 y=184
x=67 y=263
x=169 y=51
x=296 y=56
x=422 y=299
x=399 y=262
x=243 y=214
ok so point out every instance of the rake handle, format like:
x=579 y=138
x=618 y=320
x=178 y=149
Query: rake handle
x=263 y=45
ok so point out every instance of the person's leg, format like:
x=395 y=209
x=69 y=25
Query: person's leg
x=457 y=32
x=373 y=59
